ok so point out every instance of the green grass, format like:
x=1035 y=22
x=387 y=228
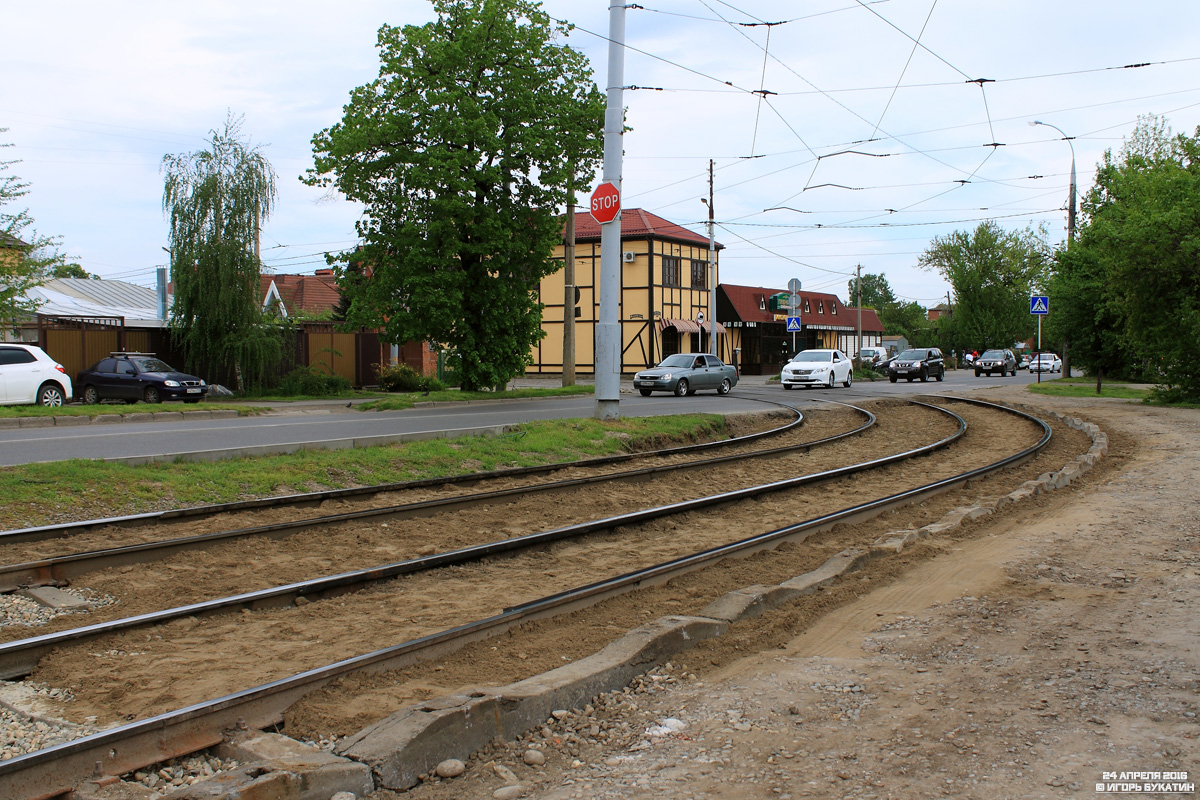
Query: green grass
x=78 y=410
x=39 y=494
x=398 y=402
x=1081 y=387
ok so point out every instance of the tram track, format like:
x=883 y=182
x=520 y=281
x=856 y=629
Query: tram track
x=265 y=701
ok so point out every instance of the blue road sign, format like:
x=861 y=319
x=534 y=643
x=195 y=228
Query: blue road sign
x=1039 y=304
x=793 y=325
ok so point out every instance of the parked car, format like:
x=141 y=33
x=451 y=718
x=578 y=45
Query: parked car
x=993 y=361
x=687 y=373
x=29 y=376
x=919 y=362
x=138 y=376
x=871 y=356
x=1045 y=362
x=1023 y=362
x=817 y=368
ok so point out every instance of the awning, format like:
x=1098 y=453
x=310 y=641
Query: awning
x=681 y=325
x=720 y=327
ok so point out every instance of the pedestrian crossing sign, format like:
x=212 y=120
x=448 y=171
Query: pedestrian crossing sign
x=793 y=325
x=1039 y=304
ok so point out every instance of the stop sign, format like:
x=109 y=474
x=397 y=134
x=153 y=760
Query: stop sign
x=606 y=202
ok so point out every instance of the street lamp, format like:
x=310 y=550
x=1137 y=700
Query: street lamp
x=1071 y=202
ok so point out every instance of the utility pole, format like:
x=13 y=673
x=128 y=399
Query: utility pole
x=858 y=302
x=608 y=327
x=568 y=374
x=712 y=268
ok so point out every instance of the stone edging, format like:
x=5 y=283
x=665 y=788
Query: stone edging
x=410 y=743
x=111 y=419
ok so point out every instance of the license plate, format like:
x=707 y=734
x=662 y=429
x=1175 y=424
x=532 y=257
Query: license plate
x=193 y=391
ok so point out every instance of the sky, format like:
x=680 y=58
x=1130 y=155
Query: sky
x=847 y=134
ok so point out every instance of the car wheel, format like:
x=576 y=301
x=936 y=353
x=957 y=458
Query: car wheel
x=924 y=375
x=892 y=378
x=829 y=383
x=788 y=386
x=941 y=376
x=977 y=373
x=849 y=379
x=90 y=395
x=50 y=395
x=681 y=388
x=725 y=387
x=644 y=392
x=151 y=395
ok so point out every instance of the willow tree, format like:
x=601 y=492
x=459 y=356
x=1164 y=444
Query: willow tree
x=460 y=152
x=217 y=200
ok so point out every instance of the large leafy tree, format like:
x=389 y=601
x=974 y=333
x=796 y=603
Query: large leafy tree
x=993 y=272
x=460 y=151
x=27 y=258
x=216 y=200
x=1129 y=286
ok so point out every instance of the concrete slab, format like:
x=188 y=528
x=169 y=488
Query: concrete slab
x=51 y=597
x=66 y=421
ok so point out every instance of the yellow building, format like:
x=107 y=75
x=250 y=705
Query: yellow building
x=664 y=301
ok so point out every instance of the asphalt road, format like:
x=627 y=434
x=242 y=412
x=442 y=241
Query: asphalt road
x=333 y=425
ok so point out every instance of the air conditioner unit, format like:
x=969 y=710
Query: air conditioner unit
x=628 y=257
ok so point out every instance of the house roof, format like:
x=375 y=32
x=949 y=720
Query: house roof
x=308 y=293
x=817 y=309
x=7 y=240
x=637 y=223
x=82 y=297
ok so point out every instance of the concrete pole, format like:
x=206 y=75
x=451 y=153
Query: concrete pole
x=858 y=302
x=608 y=328
x=712 y=268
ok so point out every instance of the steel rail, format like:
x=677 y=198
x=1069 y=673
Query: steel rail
x=56 y=770
x=59 y=570
x=19 y=657
x=43 y=532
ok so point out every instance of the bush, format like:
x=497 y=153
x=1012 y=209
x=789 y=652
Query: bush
x=403 y=378
x=307 y=381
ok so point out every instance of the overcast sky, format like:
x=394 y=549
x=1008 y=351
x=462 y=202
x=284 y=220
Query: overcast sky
x=866 y=144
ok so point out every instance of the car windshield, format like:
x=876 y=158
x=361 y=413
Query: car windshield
x=993 y=354
x=152 y=365
x=678 y=360
x=911 y=355
x=813 y=356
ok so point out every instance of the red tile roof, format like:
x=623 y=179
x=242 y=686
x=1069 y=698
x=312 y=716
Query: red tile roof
x=311 y=294
x=637 y=223
x=750 y=304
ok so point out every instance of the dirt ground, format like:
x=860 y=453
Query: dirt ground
x=1037 y=653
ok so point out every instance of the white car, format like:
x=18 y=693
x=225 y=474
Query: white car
x=817 y=368
x=28 y=375
x=1046 y=362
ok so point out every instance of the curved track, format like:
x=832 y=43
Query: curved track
x=127 y=747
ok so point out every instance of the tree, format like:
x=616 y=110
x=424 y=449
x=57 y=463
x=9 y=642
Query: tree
x=899 y=319
x=1129 y=287
x=459 y=151
x=26 y=257
x=216 y=200
x=993 y=272
x=71 y=270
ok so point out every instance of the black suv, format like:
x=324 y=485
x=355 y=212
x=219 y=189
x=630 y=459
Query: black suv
x=919 y=362
x=137 y=376
x=1002 y=361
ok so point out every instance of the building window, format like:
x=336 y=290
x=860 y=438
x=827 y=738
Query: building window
x=833 y=307
x=820 y=306
x=700 y=274
x=670 y=271
x=806 y=310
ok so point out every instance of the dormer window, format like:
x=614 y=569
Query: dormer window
x=820 y=306
x=762 y=302
x=833 y=307
x=806 y=308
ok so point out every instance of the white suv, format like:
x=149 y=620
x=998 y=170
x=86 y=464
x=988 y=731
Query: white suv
x=28 y=375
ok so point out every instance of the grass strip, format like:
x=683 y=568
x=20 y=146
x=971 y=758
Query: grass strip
x=1061 y=388
x=41 y=494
